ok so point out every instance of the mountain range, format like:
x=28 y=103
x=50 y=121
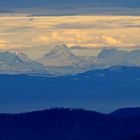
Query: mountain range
x=61 y=61
x=11 y=63
x=112 y=57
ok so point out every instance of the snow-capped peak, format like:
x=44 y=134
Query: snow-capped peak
x=59 y=56
x=13 y=62
x=109 y=52
x=59 y=51
x=21 y=55
x=63 y=47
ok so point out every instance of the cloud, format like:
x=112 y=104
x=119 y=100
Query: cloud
x=41 y=39
x=50 y=38
x=110 y=40
x=88 y=31
x=2 y=44
x=89 y=10
x=77 y=38
x=99 y=22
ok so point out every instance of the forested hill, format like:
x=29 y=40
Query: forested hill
x=70 y=124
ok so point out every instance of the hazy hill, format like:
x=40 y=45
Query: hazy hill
x=103 y=90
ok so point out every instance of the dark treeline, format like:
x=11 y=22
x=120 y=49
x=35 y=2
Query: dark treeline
x=71 y=124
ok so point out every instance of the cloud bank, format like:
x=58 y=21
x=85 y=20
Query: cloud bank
x=43 y=32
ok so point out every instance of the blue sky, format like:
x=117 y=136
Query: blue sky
x=71 y=7
x=67 y=3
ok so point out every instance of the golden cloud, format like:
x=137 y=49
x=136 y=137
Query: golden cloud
x=110 y=40
x=2 y=44
x=77 y=37
x=20 y=32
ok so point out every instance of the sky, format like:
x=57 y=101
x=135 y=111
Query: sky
x=35 y=26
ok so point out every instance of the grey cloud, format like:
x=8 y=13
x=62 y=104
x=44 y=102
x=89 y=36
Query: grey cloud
x=6 y=11
x=97 y=24
x=89 y=10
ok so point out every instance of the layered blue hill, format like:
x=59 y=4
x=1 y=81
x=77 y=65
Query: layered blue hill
x=102 y=90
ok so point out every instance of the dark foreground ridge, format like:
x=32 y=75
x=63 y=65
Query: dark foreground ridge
x=71 y=124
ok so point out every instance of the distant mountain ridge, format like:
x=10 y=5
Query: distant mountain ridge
x=11 y=63
x=61 y=61
x=114 y=57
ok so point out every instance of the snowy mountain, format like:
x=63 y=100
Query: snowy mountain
x=22 y=56
x=61 y=61
x=111 y=57
x=11 y=63
x=134 y=58
x=115 y=57
x=60 y=56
